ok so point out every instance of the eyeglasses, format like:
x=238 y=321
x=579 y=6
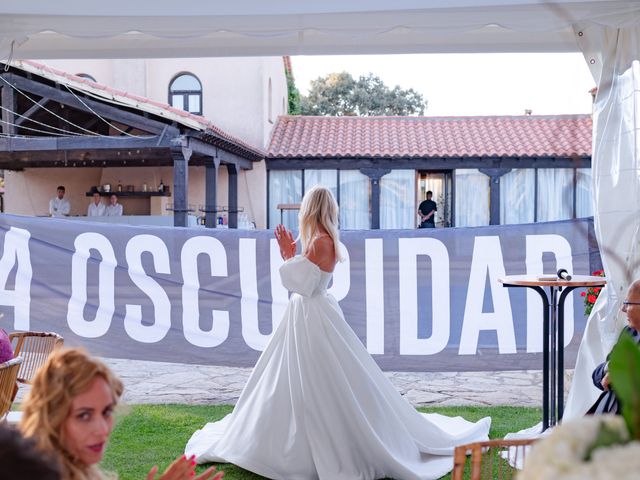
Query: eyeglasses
x=625 y=303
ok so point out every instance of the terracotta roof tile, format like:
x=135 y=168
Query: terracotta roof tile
x=424 y=137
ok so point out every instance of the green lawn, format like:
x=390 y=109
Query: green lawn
x=146 y=435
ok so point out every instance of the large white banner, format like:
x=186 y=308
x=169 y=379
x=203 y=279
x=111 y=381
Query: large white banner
x=426 y=300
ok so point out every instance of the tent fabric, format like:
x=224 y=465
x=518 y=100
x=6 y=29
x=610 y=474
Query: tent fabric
x=614 y=54
x=607 y=33
x=191 y=28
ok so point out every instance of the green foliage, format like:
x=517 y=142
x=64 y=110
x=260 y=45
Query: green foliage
x=607 y=437
x=293 y=95
x=339 y=94
x=624 y=373
x=148 y=435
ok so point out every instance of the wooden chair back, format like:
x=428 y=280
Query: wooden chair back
x=8 y=376
x=493 y=459
x=34 y=348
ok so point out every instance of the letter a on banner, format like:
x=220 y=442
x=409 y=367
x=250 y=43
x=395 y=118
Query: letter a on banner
x=487 y=259
x=16 y=250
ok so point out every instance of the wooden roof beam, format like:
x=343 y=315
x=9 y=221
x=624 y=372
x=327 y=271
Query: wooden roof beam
x=110 y=112
x=27 y=144
x=203 y=148
x=26 y=116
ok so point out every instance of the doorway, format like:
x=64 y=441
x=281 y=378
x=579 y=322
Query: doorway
x=441 y=184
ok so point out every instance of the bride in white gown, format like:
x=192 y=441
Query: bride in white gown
x=316 y=405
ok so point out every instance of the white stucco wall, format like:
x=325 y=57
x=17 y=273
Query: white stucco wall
x=235 y=91
x=28 y=192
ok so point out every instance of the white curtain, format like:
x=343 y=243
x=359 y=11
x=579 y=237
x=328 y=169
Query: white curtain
x=555 y=194
x=472 y=198
x=354 y=200
x=584 y=197
x=517 y=196
x=327 y=178
x=397 y=199
x=614 y=56
x=285 y=187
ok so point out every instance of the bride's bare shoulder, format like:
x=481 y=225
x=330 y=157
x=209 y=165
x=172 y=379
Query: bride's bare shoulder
x=322 y=252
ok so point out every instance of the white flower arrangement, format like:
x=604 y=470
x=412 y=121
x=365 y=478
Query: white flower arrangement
x=592 y=447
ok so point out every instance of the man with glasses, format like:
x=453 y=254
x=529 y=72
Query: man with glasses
x=607 y=402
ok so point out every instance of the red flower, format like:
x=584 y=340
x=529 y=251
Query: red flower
x=597 y=289
x=598 y=273
x=591 y=299
x=583 y=294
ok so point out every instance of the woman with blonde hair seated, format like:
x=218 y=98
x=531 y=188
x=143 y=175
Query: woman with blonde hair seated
x=68 y=413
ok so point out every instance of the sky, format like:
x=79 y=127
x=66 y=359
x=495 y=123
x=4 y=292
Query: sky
x=471 y=84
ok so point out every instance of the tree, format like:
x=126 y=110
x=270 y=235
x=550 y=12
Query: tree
x=293 y=94
x=340 y=94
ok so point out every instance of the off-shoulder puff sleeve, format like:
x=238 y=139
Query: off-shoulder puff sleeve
x=300 y=275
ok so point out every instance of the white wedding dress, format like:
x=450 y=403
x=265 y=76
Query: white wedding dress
x=317 y=406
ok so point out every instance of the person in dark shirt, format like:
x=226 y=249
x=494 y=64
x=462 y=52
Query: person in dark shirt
x=21 y=459
x=427 y=212
x=608 y=402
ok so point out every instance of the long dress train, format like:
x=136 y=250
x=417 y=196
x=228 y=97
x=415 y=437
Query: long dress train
x=317 y=406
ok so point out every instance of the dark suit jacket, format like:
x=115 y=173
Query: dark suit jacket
x=608 y=402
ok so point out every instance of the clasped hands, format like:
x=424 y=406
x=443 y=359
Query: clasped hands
x=286 y=242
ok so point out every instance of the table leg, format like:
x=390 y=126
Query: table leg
x=553 y=328
x=545 y=356
x=563 y=296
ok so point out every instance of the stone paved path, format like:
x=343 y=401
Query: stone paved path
x=157 y=382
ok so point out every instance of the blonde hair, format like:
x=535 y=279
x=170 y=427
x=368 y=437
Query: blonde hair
x=66 y=374
x=318 y=209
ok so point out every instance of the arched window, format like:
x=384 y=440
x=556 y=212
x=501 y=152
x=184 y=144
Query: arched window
x=185 y=93
x=87 y=76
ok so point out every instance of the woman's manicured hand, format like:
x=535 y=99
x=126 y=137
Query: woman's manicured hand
x=286 y=242
x=184 y=468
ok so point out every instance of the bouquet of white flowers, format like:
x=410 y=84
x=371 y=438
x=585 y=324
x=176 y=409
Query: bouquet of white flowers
x=594 y=447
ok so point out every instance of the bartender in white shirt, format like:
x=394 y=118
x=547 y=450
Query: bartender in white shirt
x=58 y=206
x=96 y=207
x=114 y=209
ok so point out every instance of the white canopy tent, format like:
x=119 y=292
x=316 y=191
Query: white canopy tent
x=606 y=31
x=191 y=28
